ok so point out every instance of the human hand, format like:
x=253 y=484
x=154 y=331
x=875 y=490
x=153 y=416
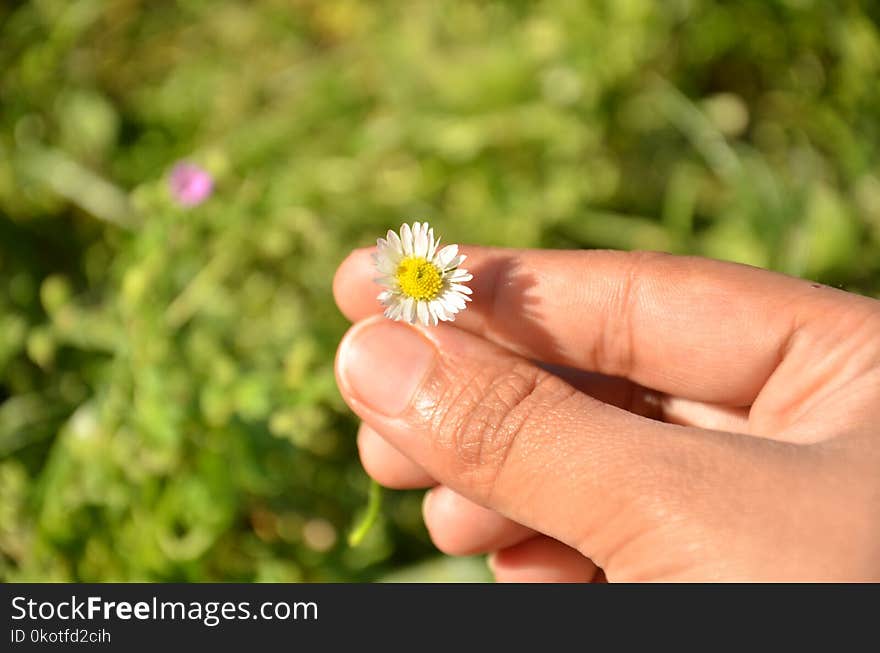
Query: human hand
x=689 y=419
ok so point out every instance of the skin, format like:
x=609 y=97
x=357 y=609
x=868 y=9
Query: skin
x=630 y=416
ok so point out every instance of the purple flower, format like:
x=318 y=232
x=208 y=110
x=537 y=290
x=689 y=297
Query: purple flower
x=190 y=185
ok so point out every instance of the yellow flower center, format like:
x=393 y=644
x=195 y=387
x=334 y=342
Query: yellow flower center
x=419 y=278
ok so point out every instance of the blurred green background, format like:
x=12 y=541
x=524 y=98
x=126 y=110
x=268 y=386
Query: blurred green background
x=167 y=402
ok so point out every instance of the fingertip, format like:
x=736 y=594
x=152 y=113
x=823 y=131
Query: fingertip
x=438 y=513
x=458 y=526
x=386 y=465
x=353 y=287
x=541 y=560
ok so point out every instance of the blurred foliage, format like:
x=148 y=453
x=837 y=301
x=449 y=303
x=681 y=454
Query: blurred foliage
x=168 y=402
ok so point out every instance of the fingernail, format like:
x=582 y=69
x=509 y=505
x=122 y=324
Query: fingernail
x=384 y=363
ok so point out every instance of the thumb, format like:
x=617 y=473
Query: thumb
x=512 y=437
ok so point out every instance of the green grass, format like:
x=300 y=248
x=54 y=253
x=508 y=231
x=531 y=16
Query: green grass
x=168 y=403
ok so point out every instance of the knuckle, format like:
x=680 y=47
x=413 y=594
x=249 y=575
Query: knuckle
x=491 y=410
x=615 y=351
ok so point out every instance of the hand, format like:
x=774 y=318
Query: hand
x=650 y=416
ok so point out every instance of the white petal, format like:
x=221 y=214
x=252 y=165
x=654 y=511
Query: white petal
x=454 y=263
x=394 y=256
x=394 y=243
x=409 y=310
x=450 y=313
x=435 y=242
x=459 y=307
x=455 y=300
x=422 y=309
x=388 y=252
x=437 y=309
x=457 y=287
x=395 y=310
x=448 y=305
x=387 y=268
x=420 y=243
x=384 y=261
x=445 y=255
x=384 y=296
x=406 y=239
x=429 y=241
x=460 y=275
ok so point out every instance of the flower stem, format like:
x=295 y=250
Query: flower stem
x=371 y=516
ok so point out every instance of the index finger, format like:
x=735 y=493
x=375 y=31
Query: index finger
x=697 y=328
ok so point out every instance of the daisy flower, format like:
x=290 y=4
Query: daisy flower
x=422 y=283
